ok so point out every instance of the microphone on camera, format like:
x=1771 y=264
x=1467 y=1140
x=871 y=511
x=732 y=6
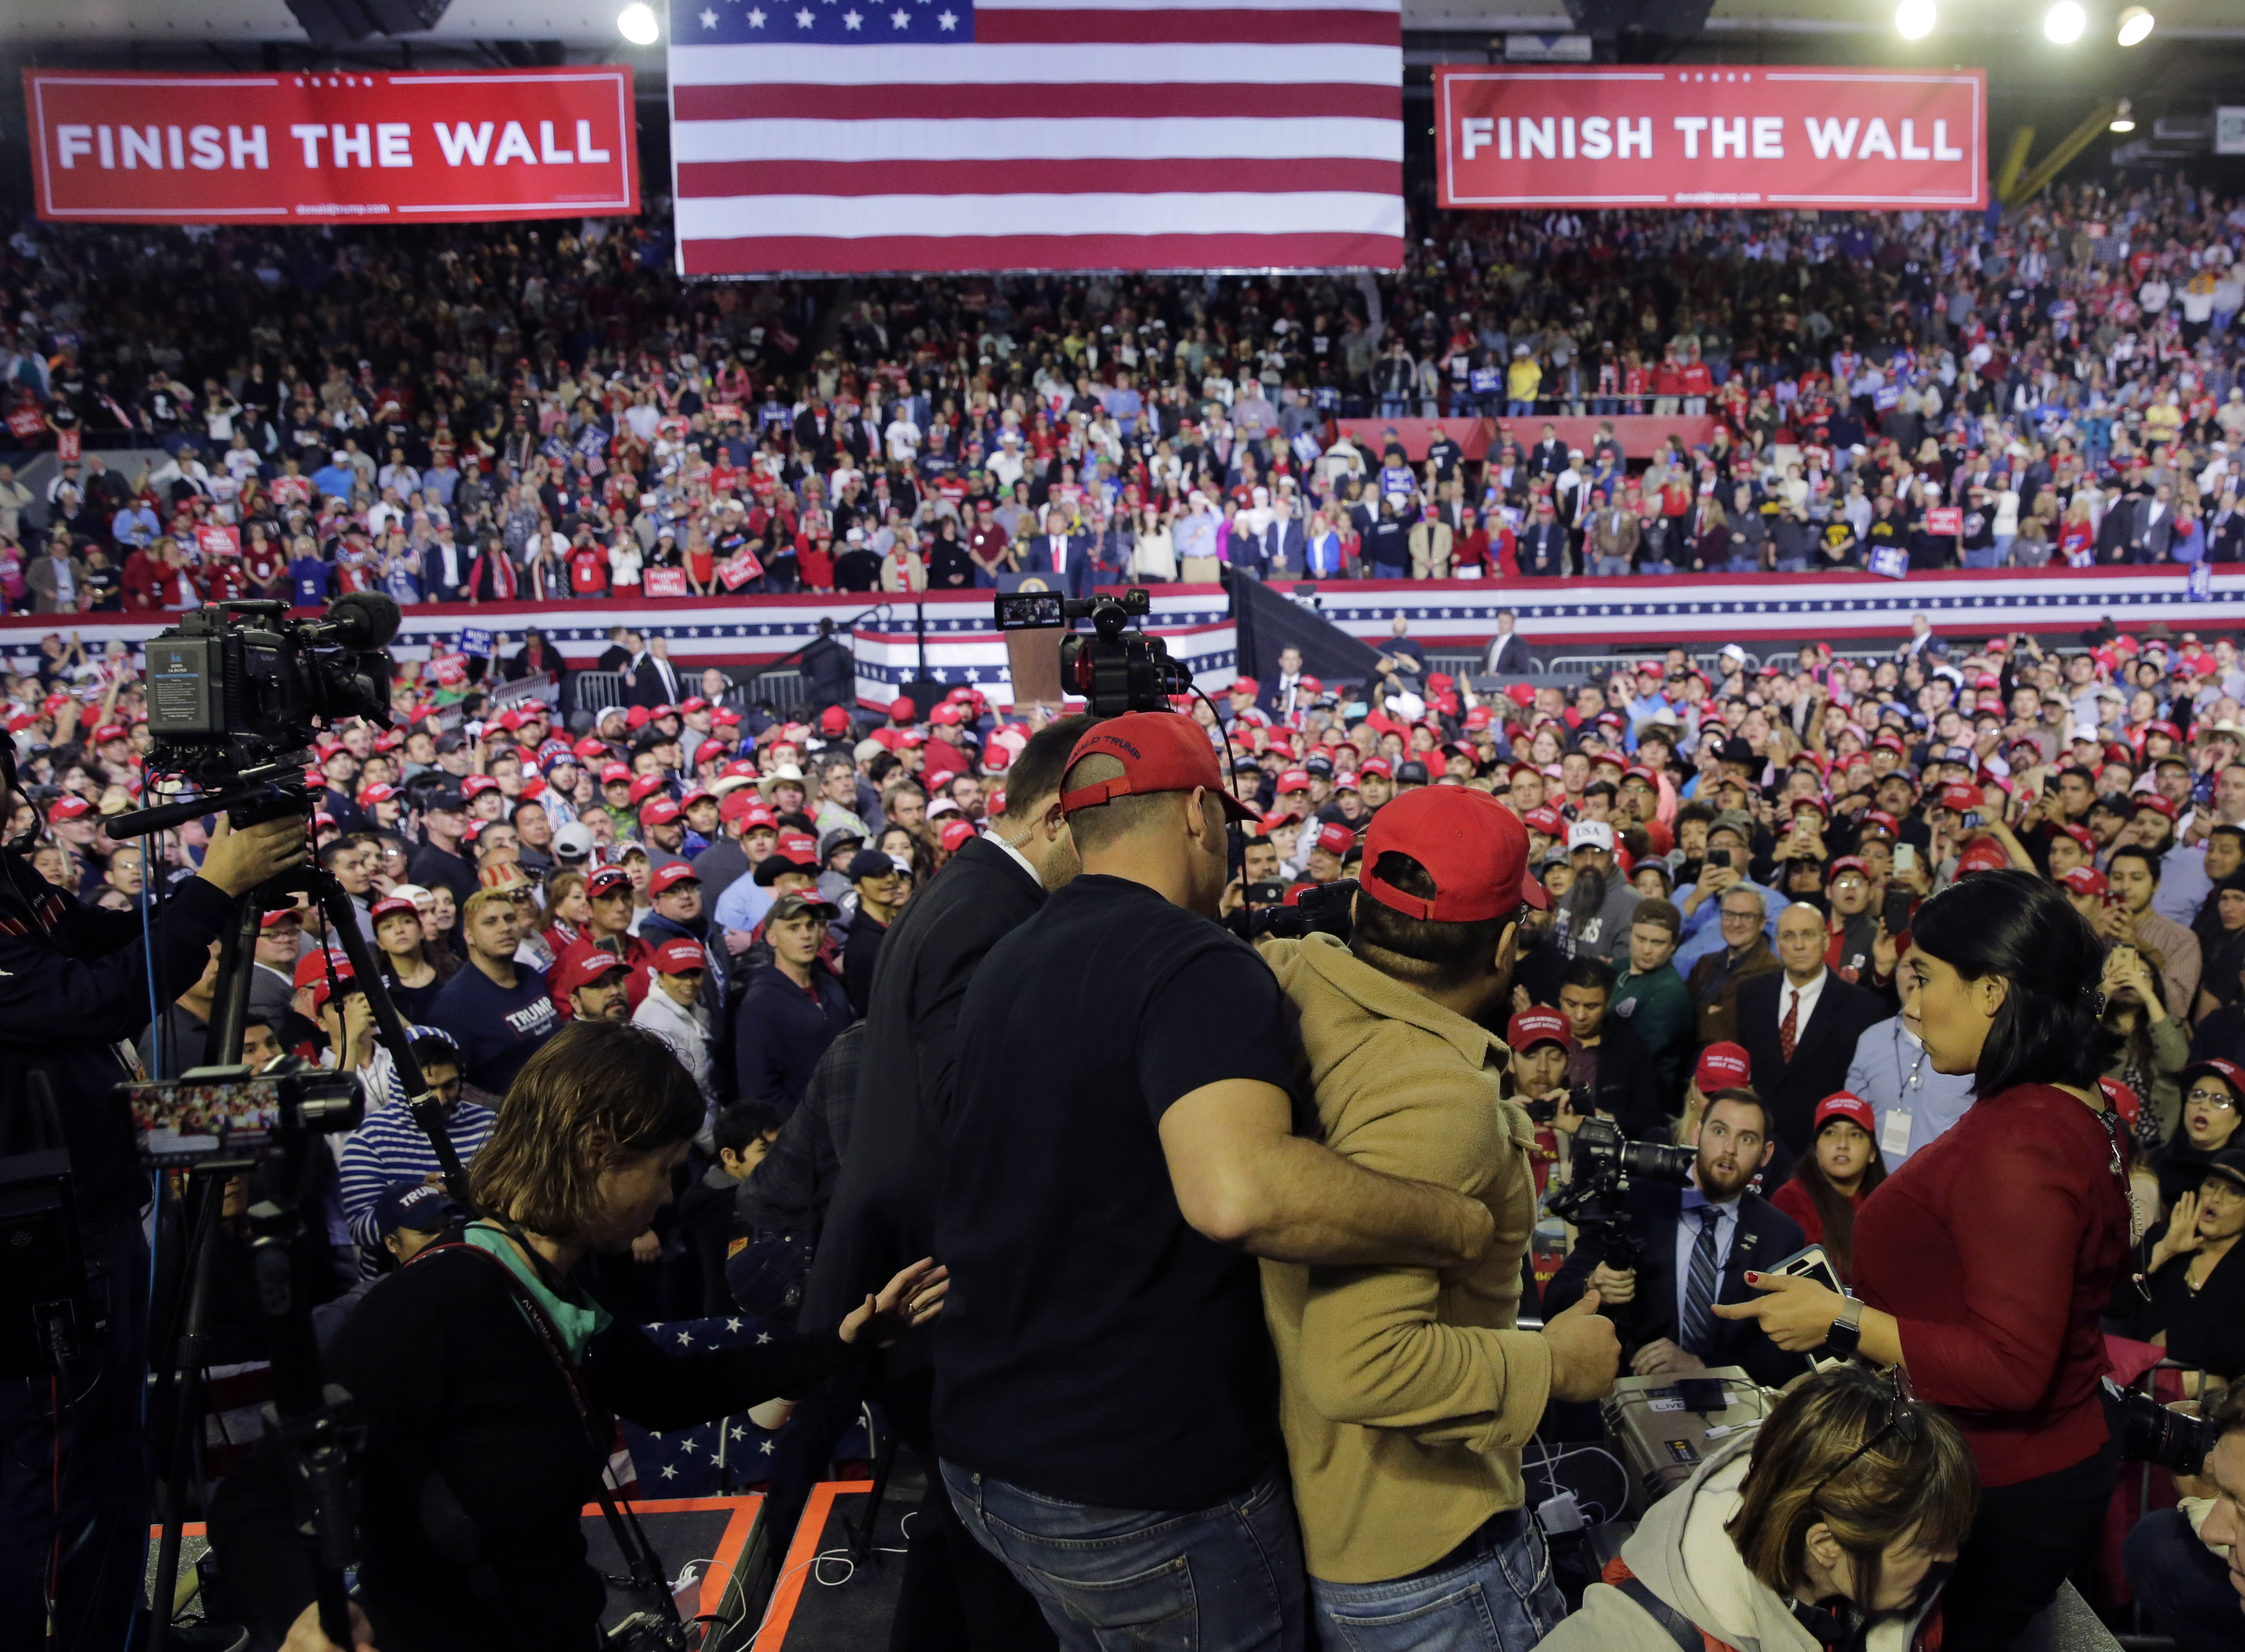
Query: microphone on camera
x=363 y=620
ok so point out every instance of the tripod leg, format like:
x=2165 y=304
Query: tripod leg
x=237 y=956
x=186 y=1426
x=342 y=918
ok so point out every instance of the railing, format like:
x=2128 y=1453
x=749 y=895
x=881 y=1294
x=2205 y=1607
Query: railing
x=596 y=689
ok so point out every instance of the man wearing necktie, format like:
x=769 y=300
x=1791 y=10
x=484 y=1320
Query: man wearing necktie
x=1065 y=556
x=1283 y=698
x=651 y=680
x=1696 y=1244
x=1800 y=1025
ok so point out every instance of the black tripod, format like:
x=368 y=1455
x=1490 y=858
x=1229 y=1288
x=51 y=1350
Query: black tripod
x=311 y=1423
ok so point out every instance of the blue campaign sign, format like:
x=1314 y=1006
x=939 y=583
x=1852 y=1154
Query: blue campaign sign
x=478 y=643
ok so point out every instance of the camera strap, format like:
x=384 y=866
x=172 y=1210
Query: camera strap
x=649 y=1577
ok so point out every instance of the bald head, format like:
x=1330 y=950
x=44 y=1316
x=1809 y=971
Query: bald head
x=1801 y=942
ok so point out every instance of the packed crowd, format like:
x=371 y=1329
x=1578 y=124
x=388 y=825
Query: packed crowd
x=504 y=412
x=1721 y=874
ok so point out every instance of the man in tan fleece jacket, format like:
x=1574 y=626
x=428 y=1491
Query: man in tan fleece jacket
x=1406 y=1395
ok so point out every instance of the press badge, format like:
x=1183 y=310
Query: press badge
x=1894 y=1135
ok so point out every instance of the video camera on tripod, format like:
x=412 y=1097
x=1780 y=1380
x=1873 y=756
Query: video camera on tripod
x=1116 y=669
x=1603 y=1164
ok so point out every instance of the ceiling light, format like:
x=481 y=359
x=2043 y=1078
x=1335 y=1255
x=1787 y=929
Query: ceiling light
x=2064 y=23
x=637 y=25
x=1914 y=19
x=2124 y=117
x=2135 y=26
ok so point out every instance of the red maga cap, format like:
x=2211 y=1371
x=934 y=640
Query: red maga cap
x=1160 y=752
x=670 y=875
x=1471 y=845
x=676 y=957
x=1335 y=837
x=1534 y=1026
x=1722 y=1066
x=2085 y=880
x=957 y=835
x=1845 y=1104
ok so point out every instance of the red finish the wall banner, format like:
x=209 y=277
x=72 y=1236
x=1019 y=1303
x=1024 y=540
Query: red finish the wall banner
x=436 y=147
x=1847 y=139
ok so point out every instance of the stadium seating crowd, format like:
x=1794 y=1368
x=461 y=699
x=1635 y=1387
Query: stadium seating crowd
x=498 y=412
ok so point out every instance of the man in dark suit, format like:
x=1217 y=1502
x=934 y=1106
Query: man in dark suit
x=884 y=1196
x=1067 y=557
x=1549 y=456
x=814 y=429
x=1507 y=650
x=1695 y=1243
x=1543 y=543
x=651 y=680
x=1800 y=1024
x=622 y=649
x=1284 y=696
x=1286 y=545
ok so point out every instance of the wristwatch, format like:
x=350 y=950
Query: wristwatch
x=1846 y=1331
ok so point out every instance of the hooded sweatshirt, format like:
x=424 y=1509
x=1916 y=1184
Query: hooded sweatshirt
x=1681 y=1553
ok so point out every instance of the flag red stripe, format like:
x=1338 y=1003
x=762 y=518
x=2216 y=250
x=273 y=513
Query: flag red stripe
x=1171 y=26
x=1089 y=102
x=721 y=178
x=751 y=255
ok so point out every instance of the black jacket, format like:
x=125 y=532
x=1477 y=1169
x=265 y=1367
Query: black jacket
x=647 y=688
x=74 y=982
x=467 y=1417
x=1765 y=1235
x=883 y=1214
x=832 y=670
x=1628 y=1084
x=780 y=1031
x=1821 y=1050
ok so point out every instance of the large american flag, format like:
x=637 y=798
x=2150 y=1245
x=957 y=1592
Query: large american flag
x=864 y=135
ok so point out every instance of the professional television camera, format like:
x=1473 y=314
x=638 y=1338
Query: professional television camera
x=1113 y=668
x=1603 y=1164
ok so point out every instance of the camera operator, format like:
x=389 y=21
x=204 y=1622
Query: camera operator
x=2192 y=1592
x=1698 y=1243
x=74 y=981
x=1106 y=1407
x=1835 y=1524
x=487 y=1378
x=1406 y=1396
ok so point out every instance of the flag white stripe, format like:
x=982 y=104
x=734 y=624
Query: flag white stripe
x=1042 y=65
x=1095 y=138
x=864 y=217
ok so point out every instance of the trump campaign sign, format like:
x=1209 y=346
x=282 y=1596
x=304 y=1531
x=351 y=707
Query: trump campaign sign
x=304 y=147
x=1850 y=138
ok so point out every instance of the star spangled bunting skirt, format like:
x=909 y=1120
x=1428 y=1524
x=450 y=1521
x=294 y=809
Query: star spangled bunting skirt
x=727 y=1455
x=854 y=137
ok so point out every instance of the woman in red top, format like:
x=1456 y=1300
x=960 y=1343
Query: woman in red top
x=1983 y=1263
x=1828 y=1186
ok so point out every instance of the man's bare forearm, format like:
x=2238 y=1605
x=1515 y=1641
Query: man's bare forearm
x=1316 y=1207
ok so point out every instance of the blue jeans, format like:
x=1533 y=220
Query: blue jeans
x=1609 y=567
x=1224 y=1579
x=2183 y=1584
x=1493 y=1592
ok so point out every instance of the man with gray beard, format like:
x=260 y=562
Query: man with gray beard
x=1595 y=914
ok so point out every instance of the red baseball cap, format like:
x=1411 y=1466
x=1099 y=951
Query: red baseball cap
x=1272 y=822
x=1376 y=766
x=1537 y=1024
x=108 y=732
x=611 y=773
x=69 y=808
x=590 y=747
x=382 y=909
x=1546 y=820
x=1722 y=1066
x=1983 y=855
x=678 y=956
x=589 y=967
x=670 y=875
x=833 y=720
x=647 y=785
x=1470 y=844
x=1845 y=864
x=1160 y=752
x=1845 y=1104
x=1961 y=797
x=1879 y=820
x=2080 y=834
x=313 y=969
x=2228 y=1071
x=1335 y=838
x=957 y=835
x=609 y=880
x=945 y=714
x=902 y=708
x=476 y=785
x=2085 y=880
x=2155 y=803
x=2124 y=1101
x=1294 y=779
x=659 y=811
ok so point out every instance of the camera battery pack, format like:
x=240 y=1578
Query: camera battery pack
x=1662 y=1428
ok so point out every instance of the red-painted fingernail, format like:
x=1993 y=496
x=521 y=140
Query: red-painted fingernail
x=1753 y=1278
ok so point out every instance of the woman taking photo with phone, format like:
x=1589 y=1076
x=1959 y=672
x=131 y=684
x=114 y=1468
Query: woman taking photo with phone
x=1984 y=1263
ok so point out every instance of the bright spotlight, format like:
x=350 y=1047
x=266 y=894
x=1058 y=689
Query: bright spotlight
x=2124 y=117
x=636 y=23
x=1914 y=19
x=2135 y=26
x=2064 y=23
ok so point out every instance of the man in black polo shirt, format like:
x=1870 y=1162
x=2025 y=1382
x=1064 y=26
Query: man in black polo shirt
x=1122 y=1148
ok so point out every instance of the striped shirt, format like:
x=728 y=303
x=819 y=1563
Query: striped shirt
x=391 y=1148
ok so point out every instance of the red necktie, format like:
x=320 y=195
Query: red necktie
x=1789 y=1027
